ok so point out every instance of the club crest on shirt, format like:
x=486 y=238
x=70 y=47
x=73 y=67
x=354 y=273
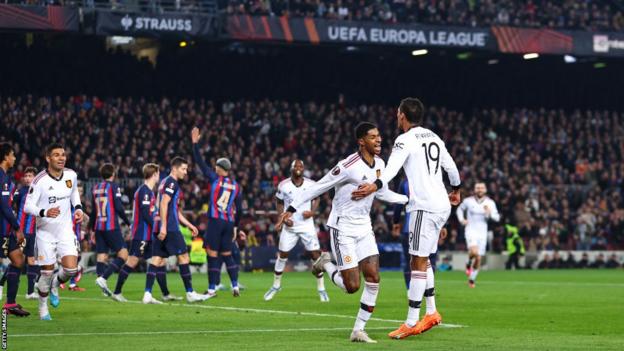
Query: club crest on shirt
x=378 y=173
x=68 y=183
x=347 y=259
x=336 y=171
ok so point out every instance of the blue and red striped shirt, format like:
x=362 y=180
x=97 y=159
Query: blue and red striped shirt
x=27 y=223
x=8 y=222
x=170 y=187
x=143 y=211
x=225 y=193
x=106 y=201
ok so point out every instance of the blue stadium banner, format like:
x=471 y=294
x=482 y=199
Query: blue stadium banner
x=39 y=18
x=154 y=25
x=599 y=44
x=320 y=31
x=506 y=39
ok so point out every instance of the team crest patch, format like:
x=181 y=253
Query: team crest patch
x=378 y=173
x=68 y=183
x=336 y=171
x=348 y=259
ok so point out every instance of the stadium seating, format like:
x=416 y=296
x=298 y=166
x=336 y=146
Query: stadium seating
x=561 y=186
x=586 y=15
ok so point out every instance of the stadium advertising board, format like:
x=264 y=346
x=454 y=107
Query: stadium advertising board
x=44 y=18
x=142 y=24
x=607 y=44
x=317 y=31
x=496 y=38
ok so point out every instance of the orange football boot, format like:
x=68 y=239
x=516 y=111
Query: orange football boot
x=403 y=332
x=429 y=321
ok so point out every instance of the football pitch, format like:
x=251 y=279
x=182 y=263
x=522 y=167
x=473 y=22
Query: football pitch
x=521 y=310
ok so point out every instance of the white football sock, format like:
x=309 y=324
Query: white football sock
x=280 y=264
x=430 y=292
x=334 y=275
x=320 y=282
x=367 y=305
x=473 y=275
x=418 y=284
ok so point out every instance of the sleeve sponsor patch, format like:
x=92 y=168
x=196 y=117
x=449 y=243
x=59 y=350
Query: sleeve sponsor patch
x=170 y=190
x=336 y=171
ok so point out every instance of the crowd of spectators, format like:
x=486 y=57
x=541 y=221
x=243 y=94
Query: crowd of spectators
x=588 y=15
x=555 y=174
x=583 y=15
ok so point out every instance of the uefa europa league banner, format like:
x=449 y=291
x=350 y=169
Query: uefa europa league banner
x=154 y=25
x=496 y=38
x=320 y=31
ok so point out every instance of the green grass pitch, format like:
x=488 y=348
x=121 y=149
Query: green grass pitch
x=522 y=310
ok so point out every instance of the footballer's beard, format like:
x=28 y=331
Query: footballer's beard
x=298 y=174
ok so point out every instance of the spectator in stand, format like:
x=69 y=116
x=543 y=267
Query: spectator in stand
x=556 y=261
x=584 y=261
x=560 y=174
x=599 y=262
x=569 y=14
x=570 y=261
x=545 y=263
x=613 y=262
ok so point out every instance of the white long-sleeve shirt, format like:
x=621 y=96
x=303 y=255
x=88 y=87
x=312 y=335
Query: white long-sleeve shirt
x=47 y=192
x=423 y=156
x=474 y=210
x=345 y=178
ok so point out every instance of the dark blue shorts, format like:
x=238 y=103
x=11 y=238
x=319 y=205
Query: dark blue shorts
x=9 y=244
x=219 y=235
x=29 y=249
x=107 y=241
x=173 y=245
x=141 y=248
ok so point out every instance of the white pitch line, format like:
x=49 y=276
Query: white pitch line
x=515 y=282
x=191 y=332
x=258 y=310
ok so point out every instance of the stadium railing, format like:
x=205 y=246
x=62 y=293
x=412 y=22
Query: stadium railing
x=153 y=6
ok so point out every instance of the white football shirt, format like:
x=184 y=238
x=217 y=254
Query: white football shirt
x=47 y=192
x=423 y=156
x=474 y=210
x=345 y=178
x=287 y=191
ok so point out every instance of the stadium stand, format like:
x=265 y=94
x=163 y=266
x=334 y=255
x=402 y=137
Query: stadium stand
x=585 y=15
x=561 y=186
